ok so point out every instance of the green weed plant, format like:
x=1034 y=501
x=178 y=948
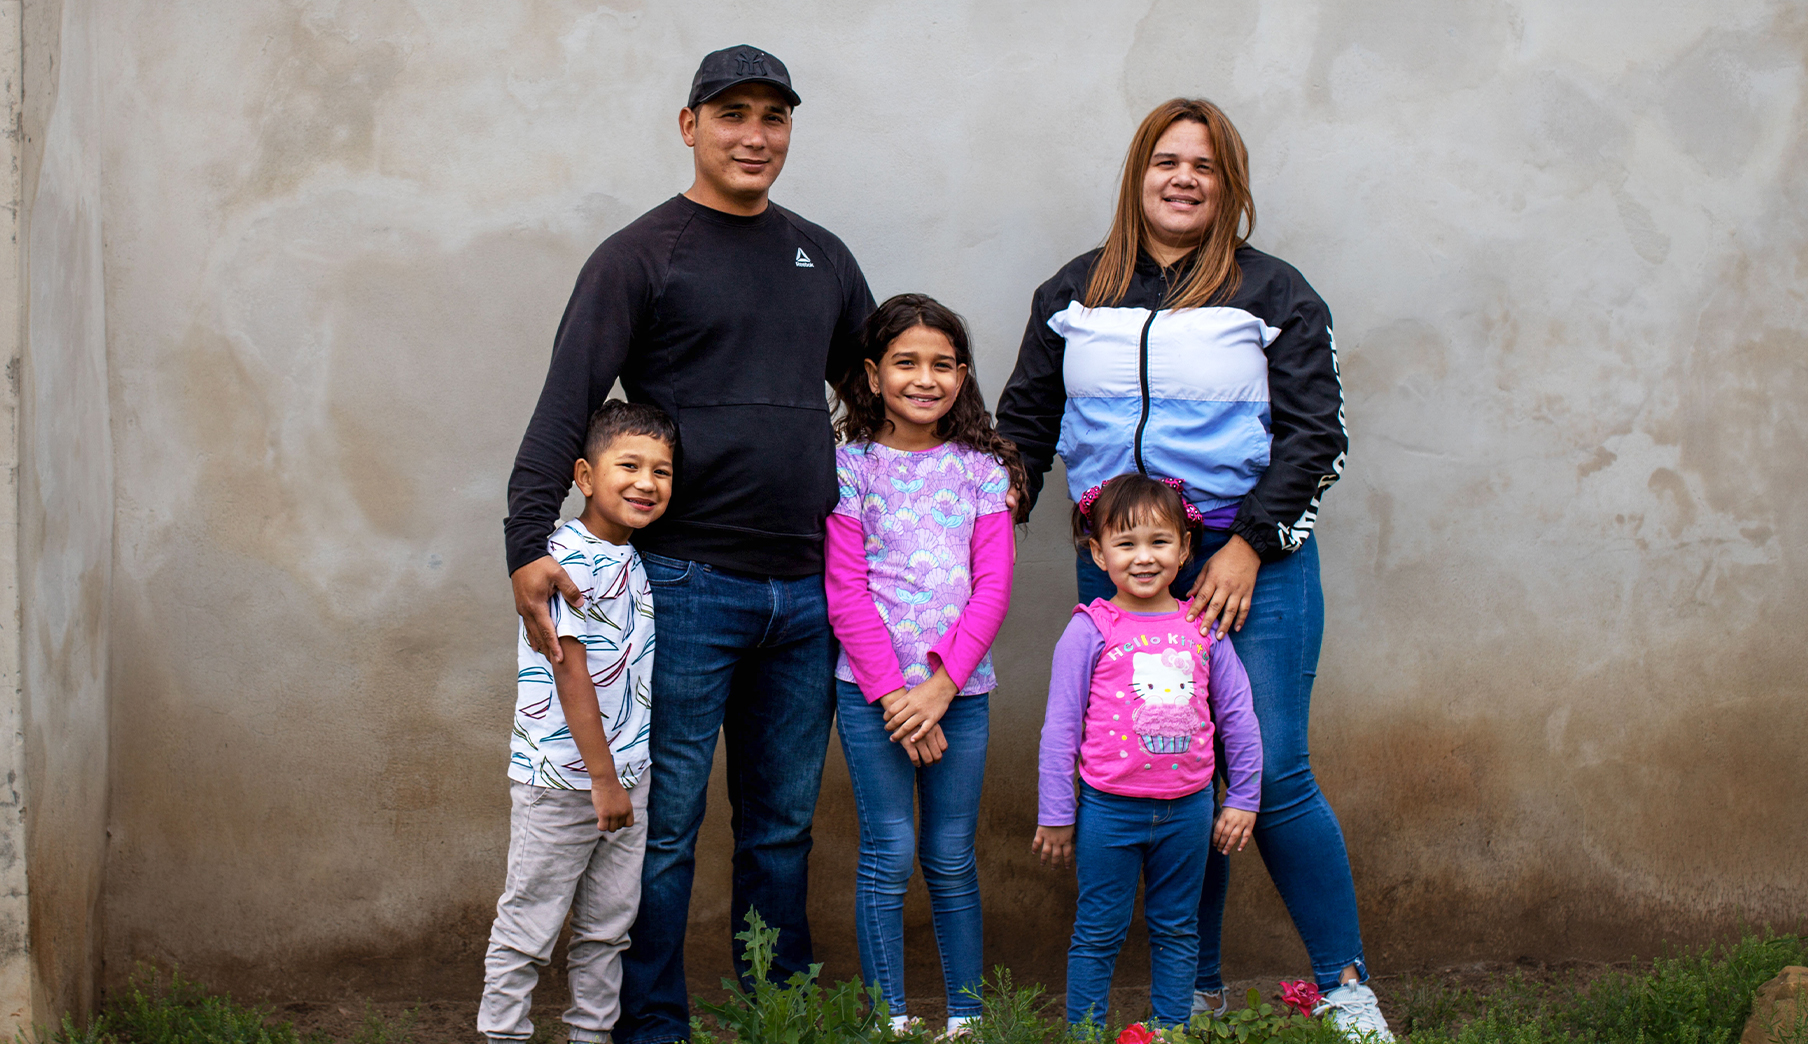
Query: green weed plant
x=1702 y=997
x=798 y=1011
x=1698 y=997
x=176 y=1011
x=801 y=1010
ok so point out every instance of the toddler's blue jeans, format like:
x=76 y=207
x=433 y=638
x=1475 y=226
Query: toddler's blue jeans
x=1117 y=840
x=888 y=793
x=1296 y=831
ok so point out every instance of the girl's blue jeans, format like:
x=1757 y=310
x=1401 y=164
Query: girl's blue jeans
x=1116 y=841
x=1296 y=831
x=889 y=795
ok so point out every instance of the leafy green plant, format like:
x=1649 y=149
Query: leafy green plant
x=177 y=1011
x=379 y=1030
x=1259 y=1022
x=1012 y=1014
x=180 y=1011
x=799 y=1010
x=1691 y=998
x=1701 y=997
x=96 y=1033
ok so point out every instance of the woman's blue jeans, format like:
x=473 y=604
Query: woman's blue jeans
x=888 y=791
x=1116 y=841
x=1296 y=831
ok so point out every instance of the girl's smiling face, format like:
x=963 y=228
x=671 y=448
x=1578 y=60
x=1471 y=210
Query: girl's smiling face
x=1142 y=560
x=917 y=379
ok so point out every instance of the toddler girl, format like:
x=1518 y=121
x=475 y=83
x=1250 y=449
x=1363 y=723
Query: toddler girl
x=918 y=575
x=1135 y=698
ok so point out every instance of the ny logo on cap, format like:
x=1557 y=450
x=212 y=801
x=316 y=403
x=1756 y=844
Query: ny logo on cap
x=750 y=63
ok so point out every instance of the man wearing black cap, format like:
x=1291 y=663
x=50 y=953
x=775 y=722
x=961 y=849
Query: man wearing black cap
x=728 y=312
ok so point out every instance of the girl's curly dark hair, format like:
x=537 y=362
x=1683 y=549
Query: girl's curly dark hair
x=967 y=423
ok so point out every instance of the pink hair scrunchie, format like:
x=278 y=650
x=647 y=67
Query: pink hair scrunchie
x=1088 y=498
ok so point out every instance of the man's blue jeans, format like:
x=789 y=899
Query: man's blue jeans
x=754 y=658
x=1296 y=831
x=887 y=792
x=1117 y=840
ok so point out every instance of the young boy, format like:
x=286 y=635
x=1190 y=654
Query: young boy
x=578 y=760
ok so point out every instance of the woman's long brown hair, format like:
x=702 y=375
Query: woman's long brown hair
x=1212 y=274
x=966 y=422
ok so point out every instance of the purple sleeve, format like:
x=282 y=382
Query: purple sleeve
x=1234 y=714
x=1069 y=682
x=991 y=559
x=852 y=613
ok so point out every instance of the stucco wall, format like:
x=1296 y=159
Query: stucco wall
x=1559 y=705
x=65 y=505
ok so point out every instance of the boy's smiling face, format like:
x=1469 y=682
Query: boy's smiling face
x=626 y=485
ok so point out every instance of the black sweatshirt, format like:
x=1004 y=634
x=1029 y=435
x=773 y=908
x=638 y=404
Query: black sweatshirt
x=730 y=324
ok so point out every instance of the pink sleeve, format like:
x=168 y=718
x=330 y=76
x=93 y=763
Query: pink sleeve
x=852 y=613
x=992 y=557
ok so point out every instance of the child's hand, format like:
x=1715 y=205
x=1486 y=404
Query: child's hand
x=1234 y=826
x=1054 y=844
x=614 y=809
x=928 y=750
x=913 y=714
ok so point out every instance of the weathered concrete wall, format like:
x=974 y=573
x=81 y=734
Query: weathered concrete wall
x=65 y=505
x=1559 y=707
x=15 y=914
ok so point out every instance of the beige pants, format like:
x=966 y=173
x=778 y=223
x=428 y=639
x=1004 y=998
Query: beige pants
x=558 y=862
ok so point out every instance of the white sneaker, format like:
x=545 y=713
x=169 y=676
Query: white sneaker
x=1354 y=1010
x=1203 y=1004
x=959 y=1026
x=905 y=1025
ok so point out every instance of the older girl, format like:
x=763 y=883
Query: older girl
x=918 y=577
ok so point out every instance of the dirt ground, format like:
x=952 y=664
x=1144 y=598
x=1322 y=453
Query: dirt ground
x=453 y=1022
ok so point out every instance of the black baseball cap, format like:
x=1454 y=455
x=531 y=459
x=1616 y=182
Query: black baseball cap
x=744 y=63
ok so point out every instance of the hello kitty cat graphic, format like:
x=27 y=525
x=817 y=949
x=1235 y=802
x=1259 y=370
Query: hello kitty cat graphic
x=1166 y=719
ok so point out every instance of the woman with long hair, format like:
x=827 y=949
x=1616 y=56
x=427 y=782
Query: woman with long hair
x=1177 y=350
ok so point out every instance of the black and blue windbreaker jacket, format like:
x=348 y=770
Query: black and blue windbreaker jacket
x=1240 y=400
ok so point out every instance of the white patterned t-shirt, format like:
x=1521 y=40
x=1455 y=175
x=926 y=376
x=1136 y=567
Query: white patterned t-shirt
x=616 y=626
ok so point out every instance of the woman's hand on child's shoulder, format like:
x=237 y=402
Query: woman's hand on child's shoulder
x=1234 y=827
x=1054 y=844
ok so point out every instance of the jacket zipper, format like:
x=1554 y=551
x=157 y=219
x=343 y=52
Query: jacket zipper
x=1143 y=372
x=1143 y=375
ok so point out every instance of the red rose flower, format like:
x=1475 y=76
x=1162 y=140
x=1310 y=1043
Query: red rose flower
x=1136 y=1033
x=1300 y=995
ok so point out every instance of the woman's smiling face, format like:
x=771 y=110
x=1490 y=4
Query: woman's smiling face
x=1180 y=190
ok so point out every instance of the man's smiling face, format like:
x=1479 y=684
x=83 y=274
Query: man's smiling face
x=739 y=139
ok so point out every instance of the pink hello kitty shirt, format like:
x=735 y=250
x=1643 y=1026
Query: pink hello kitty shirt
x=917 y=565
x=1135 y=700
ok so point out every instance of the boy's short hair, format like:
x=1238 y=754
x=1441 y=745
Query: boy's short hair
x=616 y=418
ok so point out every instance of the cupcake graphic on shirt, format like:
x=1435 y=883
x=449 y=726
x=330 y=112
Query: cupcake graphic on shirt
x=1166 y=720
